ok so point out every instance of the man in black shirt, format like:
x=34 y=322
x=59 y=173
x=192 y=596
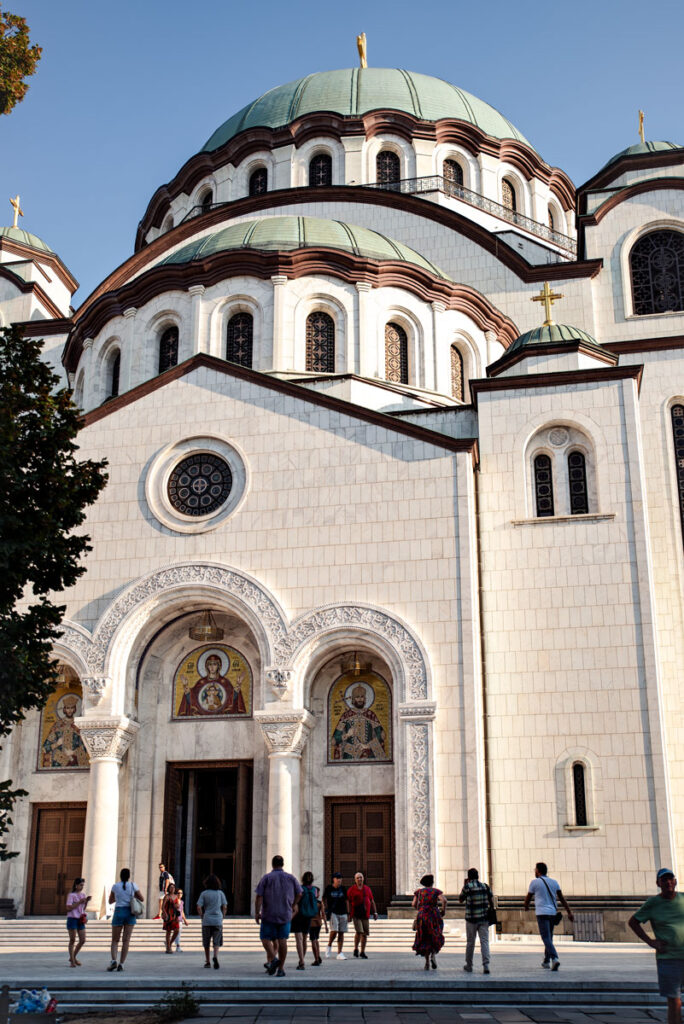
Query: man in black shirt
x=165 y=879
x=337 y=911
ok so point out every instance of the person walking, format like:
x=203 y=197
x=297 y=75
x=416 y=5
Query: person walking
x=182 y=921
x=171 y=916
x=277 y=901
x=431 y=905
x=123 y=920
x=306 y=911
x=665 y=912
x=478 y=899
x=165 y=878
x=547 y=894
x=315 y=931
x=76 y=904
x=337 y=910
x=211 y=907
x=361 y=906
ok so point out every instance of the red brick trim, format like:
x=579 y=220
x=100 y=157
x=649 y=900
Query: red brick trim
x=554 y=380
x=51 y=258
x=31 y=286
x=646 y=344
x=511 y=358
x=590 y=220
x=639 y=162
x=43 y=328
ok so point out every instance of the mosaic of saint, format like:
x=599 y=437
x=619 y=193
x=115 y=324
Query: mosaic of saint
x=61 y=745
x=359 y=719
x=212 y=682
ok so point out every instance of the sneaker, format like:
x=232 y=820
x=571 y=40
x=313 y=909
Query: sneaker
x=328 y=952
x=112 y=966
x=363 y=956
x=280 y=973
x=120 y=967
x=356 y=952
x=157 y=918
x=178 y=949
x=555 y=964
x=485 y=970
x=341 y=956
x=273 y=966
x=467 y=969
x=546 y=964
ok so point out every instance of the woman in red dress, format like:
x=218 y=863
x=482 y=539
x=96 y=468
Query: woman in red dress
x=171 y=913
x=429 y=927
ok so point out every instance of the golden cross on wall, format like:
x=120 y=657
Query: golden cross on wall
x=18 y=212
x=548 y=298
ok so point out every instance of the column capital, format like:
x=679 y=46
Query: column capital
x=438 y=307
x=130 y=312
x=363 y=286
x=279 y=680
x=107 y=739
x=285 y=732
x=279 y=279
x=196 y=289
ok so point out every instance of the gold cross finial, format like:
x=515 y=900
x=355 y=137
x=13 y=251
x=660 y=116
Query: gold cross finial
x=361 y=47
x=18 y=212
x=641 y=125
x=548 y=298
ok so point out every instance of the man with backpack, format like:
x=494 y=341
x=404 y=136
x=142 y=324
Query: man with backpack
x=547 y=894
x=306 y=911
x=165 y=880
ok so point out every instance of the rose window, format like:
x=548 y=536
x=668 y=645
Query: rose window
x=200 y=484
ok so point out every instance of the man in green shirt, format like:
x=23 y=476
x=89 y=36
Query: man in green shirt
x=666 y=915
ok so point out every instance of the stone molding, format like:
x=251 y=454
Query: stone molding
x=107 y=738
x=285 y=732
x=420 y=801
x=425 y=711
x=95 y=687
x=279 y=680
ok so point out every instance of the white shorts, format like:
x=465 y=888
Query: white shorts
x=339 y=923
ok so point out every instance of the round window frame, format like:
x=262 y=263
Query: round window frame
x=168 y=460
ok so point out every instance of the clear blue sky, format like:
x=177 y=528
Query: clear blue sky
x=126 y=92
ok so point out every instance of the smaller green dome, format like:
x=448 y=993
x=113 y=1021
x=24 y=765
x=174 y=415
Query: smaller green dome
x=555 y=334
x=641 y=149
x=284 y=234
x=24 y=238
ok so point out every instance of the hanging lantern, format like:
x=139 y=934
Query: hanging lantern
x=353 y=664
x=206 y=628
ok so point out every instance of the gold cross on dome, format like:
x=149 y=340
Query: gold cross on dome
x=361 y=47
x=548 y=298
x=641 y=125
x=18 y=212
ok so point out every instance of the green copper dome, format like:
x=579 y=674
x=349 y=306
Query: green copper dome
x=24 y=238
x=355 y=91
x=641 y=149
x=281 y=234
x=555 y=334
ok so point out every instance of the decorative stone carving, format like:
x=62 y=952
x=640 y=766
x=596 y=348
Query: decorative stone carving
x=287 y=732
x=558 y=436
x=420 y=838
x=76 y=639
x=423 y=712
x=94 y=687
x=279 y=679
x=107 y=738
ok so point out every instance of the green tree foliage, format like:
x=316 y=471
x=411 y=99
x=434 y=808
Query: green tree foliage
x=18 y=59
x=44 y=491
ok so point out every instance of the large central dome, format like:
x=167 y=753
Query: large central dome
x=356 y=91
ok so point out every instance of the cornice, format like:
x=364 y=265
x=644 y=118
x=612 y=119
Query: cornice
x=646 y=344
x=42 y=328
x=590 y=220
x=511 y=358
x=41 y=255
x=555 y=380
x=640 y=162
x=468 y=445
x=31 y=286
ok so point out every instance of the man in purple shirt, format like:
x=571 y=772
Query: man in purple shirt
x=277 y=899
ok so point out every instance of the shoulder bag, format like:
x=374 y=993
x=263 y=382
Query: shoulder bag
x=137 y=908
x=559 y=917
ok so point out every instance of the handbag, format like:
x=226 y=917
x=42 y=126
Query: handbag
x=83 y=919
x=558 y=917
x=137 y=908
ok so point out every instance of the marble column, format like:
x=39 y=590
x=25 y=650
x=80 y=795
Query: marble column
x=438 y=376
x=197 y=342
x=106 y=740
x=279 y=360
x=367 y=365
x=89 y=399
x=285 y=734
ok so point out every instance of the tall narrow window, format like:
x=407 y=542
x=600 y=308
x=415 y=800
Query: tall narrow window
x=452 y=172
x=387 y=167
x=239 y=342
x=543 y=485
x=396 y=354
x=258 y=182
x=320 y=170
x=578 y=785
x=457 y=389
x=206 y=201
x=577 y=477
x=114 y=373
x=551 y=223
x=320 y=343
x=657 y=264
x=78 y=391
x=508 y=195
x=678 y=435
x=168 y=349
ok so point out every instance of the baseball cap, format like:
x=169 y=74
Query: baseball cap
x=664 y=873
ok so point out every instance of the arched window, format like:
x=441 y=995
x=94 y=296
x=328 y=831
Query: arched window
x=577 y=479
x=678 y=437
x=508 y=195
x=657 y=265
x=320 y=343
x=396 y=354
x=579 y=793
x=458 y=389
x=551 y=221
x=387 y=167
x=206 y=200
x=113 y=373
x=168 y=349
x=78 y=390
x=258 y=182
x=320 y=170
x=543 y=485
x=452 y=173
x=239 y=341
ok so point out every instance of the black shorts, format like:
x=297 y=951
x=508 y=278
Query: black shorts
x=300 y=924
x=314 y=933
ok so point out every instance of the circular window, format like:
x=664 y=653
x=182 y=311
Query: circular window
x=200 y=484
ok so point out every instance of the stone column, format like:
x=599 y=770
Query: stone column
x=438 y=376
x=421 y=855
x=367 y=365
x=197 y=342
x=133 y=364
x=89 y=383
x=285 y=734
x=106 y=740
x=279 y=357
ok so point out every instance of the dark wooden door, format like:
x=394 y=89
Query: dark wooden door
x=57 y=856
x=360 y=837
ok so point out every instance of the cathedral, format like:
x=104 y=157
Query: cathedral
x=388 y=574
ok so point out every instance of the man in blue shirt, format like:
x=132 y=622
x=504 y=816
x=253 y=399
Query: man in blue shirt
x=277 y=898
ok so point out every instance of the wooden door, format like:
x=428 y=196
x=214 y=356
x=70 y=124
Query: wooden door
x=57 y=855
x=360 y=837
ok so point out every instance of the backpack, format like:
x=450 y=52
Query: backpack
x=308 y=906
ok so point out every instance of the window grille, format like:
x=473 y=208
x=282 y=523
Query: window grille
x=206 y=201
x=578 y=783
x=508 y=195
x=577 y=476
x=657 y=265
x=452 y=172
x=543 y=485
x=678 y=436
x=168 y=349
x=387 y=167
x=320 y=343
x=396 y=354
x=258 y=182
x=116 y=371
x=457 y=389
x=320 y=170
x=239 y=342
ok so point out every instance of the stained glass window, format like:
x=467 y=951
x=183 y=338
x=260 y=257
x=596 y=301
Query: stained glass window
x=320 y=170
x=657 y=264
x=396 y=354
x=457 y=389
x=239 y=343
x=387 y=167
x=508 y=195
x=452 y=172
x=543 y=485
x=577 y=477
x=258 y=182
x=168 y=349
x=115 y=373
x=200 y=484
x=320 y=343
x=678 y=436
x=578 y=779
